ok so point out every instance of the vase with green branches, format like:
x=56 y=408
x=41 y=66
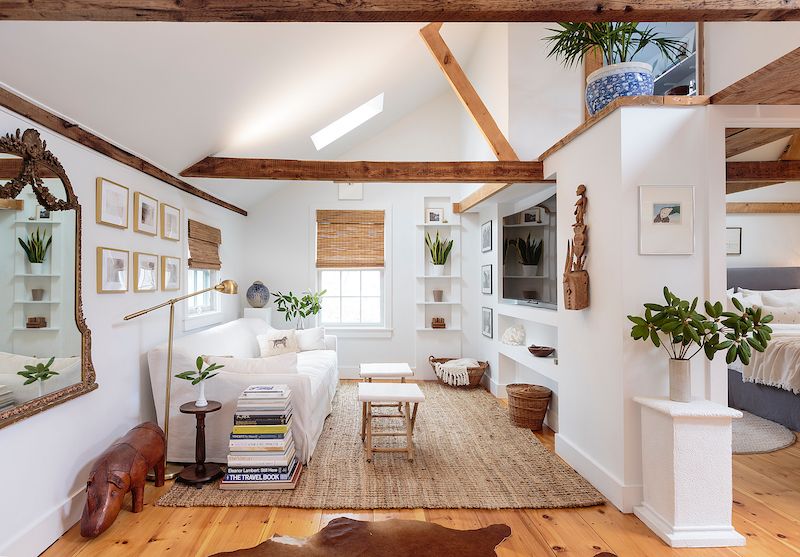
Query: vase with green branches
x=35 y=247
x=199 y=376
x=530 y=254
x=298 y=308
x=38 y=374
x=439 y=250
x=618 y=43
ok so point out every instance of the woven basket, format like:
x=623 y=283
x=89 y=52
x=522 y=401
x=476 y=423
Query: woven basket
x=527 y=405
x=475 y=373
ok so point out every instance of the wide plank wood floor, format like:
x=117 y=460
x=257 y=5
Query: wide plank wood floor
x=766 y=511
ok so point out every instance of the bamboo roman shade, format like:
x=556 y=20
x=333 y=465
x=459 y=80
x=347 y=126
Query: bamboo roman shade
x=204 y=244
x=349 y=239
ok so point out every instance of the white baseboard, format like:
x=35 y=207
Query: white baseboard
x=41 y=535
x=682 y=536
x=624 y=497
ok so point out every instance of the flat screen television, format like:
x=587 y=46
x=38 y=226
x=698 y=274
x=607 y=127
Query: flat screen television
x=530 y=270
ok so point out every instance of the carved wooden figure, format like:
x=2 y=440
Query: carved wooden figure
x=576 y=278
x=121 y=468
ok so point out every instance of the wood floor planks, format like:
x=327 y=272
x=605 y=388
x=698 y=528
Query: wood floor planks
x=766 y=510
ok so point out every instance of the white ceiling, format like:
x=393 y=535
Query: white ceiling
x=176 y=92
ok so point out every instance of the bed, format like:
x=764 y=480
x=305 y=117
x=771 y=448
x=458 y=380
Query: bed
x=755 y=395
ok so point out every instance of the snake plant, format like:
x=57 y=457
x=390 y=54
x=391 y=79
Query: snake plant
x=439 y=248
x=36 y=246
x=530 y=251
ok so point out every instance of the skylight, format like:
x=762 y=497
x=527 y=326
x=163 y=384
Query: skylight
x=348 y=122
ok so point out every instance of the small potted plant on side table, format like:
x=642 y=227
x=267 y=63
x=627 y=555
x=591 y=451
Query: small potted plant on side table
x=683 y=332
x=38 y=374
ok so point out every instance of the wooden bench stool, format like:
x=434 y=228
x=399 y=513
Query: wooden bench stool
x=372 y=394
x=386 y=371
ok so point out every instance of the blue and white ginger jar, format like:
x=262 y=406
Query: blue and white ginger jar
x=258 y=295
x=628 y=79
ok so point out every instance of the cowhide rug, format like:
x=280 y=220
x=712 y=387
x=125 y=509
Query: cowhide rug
x=345 y=537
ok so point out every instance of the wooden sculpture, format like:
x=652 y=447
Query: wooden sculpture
x=122 y=468
x=576 y=278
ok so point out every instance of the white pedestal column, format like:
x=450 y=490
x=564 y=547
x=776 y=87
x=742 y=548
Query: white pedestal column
x=687 y=472
x=259 y=313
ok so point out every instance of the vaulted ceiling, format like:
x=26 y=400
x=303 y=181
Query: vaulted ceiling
x=174 y=93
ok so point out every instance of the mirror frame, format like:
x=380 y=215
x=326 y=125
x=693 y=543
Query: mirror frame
x=36 y=158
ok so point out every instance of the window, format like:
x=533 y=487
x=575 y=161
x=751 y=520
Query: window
x=200 y=279
x=353 y=298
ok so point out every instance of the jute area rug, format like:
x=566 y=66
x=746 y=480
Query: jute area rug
x=753 y=435
x=468 y=455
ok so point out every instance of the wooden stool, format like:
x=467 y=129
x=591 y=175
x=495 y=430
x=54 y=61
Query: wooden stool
x=371 y=395
x=386 y=371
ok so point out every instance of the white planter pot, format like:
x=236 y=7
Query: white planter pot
x=36 y=268
x=201 y=395
x=437 y=270
x=530 y=270
x=680 y=380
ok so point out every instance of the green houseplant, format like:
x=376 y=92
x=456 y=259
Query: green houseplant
x=199 y=376
x=294 y=308
x=38 y=374
x=618 y=43
x=35 y=247
x=439 y=250
x=683 y=332
x=530 y=253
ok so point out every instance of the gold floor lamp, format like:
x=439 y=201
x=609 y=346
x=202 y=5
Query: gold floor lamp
x=225 y=287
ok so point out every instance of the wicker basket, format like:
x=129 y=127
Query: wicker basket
x=527 y=405
x=475 y=373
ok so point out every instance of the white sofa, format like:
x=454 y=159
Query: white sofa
x=69 y=373
x=313 y=387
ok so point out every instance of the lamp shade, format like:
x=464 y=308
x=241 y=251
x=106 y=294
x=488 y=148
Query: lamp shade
x=227 y=287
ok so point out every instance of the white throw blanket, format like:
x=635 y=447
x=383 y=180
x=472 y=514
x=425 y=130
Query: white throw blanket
x=778 y=365
x=455 y=372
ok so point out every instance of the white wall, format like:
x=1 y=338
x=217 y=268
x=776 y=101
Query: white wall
x=54 y=450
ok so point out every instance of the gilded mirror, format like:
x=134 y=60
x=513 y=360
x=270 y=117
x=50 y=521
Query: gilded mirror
x=45 y=346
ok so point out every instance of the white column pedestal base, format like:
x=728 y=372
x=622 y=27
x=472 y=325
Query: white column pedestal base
x=676 y=536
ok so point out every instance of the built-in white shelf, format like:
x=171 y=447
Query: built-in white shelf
x=524 y=277
x=525 y=225
x=38 y=222
x=423 y=303
x=456 y=329
x=520 y=354
x=534 y=314
x=37 y=302
x=438 y=276
x=437 y=224
x=40 y=329
x=43 y=275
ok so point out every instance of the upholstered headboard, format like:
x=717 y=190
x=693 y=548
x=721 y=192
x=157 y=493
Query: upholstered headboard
x=764 y=278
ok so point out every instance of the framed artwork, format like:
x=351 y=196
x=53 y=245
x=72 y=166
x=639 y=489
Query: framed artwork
x=170 y=222
x=42 y=213
x=486 y=279
x=666 y=220
x=146 y=267
x=532 y=216
x=111 y=204
x=487 y=322
x=486 y=236
x=112 y=270
x=145 y=214
x=170 y=273
x=733 y=240
x=434 y=215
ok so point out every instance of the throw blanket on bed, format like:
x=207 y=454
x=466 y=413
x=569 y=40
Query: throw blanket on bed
x=778 y=365
x=455 y=372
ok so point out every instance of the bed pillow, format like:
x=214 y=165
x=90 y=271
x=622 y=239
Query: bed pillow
x=747 y=300
x=786 y=293
x=276 y=342
x=284 y=363
x=780 y=300
x=783 y=315
x=310 y=339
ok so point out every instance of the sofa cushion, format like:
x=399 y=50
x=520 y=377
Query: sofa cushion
x=310 y=339
x=281 y=364
x=276 y=342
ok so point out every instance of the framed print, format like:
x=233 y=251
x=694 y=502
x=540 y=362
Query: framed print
x=170 y=273
x=112 y=270
x=487 y=319
x=145 y=214
x=666 y=220
x=733 y=240
x=42 y=213
x=532 y=216
x=486 y=236
x=434 y=215
x=111 y=204
x=486 y=279
x=170 y=222
x=146 y=267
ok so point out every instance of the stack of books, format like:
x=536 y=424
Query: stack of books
x=262 y=452
x=6 y=397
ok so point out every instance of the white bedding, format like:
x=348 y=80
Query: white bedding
x=779 y=365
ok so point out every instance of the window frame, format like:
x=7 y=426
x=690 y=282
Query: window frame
x=211 y=316
x=381 y=324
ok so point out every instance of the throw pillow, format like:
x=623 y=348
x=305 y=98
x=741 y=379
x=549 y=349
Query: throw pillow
x=780 y=300
x=784 y=315
x=310 y=339
x=788 y=292
x=284 y=363
x=746 y=299
x=276 y=342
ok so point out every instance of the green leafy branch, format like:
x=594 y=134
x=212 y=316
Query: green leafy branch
x=309 y=303
x=200 y=374
x=39 y=372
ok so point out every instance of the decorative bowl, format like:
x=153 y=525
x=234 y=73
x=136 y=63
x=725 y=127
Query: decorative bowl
x=540 y=351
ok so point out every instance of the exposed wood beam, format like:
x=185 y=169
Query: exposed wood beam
x=10 y=168
x=72 y=131
x=736 y=187
x=12 y=204
x=483 y=193
x=408 y=10
x=367 y=171
x=747 y=139
x=762 y=208
x=776 y=83
x=763 y=171
x=792 y=152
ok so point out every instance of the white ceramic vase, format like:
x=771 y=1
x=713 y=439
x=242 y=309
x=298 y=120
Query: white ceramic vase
x=530 y=270
x=36 y=268
x=680 y=380
x=201 y=395
x=437 y=270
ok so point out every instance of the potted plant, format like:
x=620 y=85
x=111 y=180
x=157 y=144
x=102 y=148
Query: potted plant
x=530 y=253
x=199 y=377
x=294 y=308
x=439 y=250
x=619 y=43
x=35 y=247
x=683 y=332
x=38 y=374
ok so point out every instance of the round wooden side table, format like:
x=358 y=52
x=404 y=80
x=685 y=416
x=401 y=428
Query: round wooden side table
x=201 y=471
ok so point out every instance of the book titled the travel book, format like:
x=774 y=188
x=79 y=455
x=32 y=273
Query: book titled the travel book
x=265 y=485
x=234 y=475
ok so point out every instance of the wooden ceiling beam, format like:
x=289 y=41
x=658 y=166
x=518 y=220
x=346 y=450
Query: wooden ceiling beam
x=792 y=152
x=763 y=171
x=367 y=171
x=736 y=187
x=763 y=208
x=747 y=139
x=776 y=83
x=408 y=10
